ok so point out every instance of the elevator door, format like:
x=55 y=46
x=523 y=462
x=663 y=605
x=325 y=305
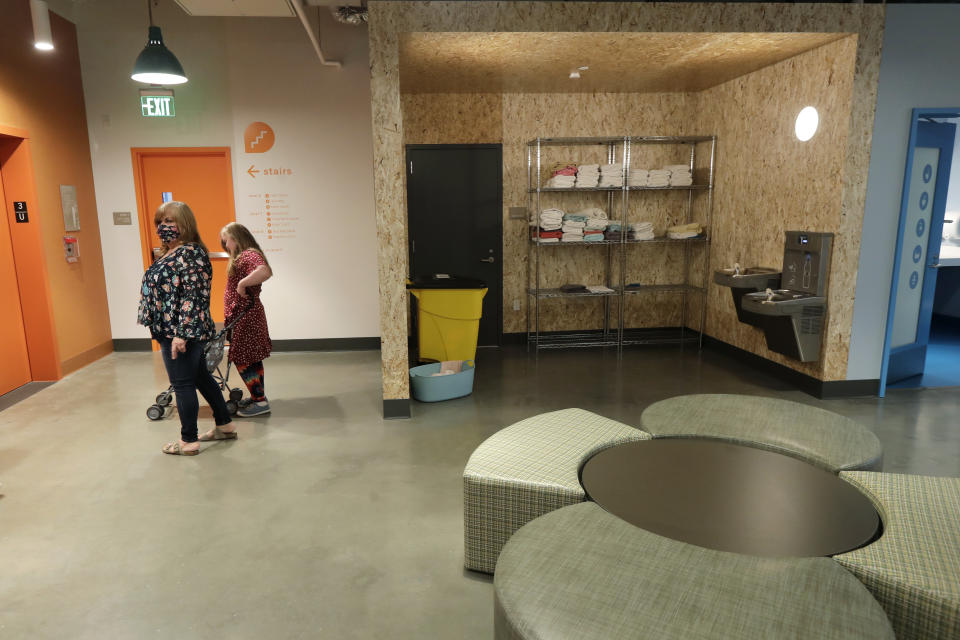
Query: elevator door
x=15 y=367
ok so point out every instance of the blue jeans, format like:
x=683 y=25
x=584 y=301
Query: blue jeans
x=188 y=374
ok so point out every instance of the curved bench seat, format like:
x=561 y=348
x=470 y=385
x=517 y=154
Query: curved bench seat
x=823 y=438
x=581 y=573
x=913 y=570
x=526 y=470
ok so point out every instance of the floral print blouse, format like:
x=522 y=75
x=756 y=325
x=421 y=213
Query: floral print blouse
x=175 y=295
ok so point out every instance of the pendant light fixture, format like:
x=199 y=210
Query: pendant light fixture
x=156 y=64
x=42 y=37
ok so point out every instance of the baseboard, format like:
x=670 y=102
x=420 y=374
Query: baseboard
x=850 y=388
x=395 y=409
x=132 y=344
x=328 y=344
x=514 y=339
x=808 y=384
x=313 y=344
x=88 y=356
x=19 y=394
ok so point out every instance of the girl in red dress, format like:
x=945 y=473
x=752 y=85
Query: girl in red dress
x=250 y=342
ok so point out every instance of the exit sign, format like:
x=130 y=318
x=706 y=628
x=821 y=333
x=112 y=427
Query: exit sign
x=157 y=106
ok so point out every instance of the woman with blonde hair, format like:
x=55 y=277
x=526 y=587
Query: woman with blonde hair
x=175 y=306
x=250 y=342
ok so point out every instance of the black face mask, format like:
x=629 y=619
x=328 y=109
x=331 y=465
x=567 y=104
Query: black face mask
x=168 y=232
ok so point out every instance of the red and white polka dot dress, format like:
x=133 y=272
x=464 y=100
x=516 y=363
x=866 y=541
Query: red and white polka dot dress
x=250 y=341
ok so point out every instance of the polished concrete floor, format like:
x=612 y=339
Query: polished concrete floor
x=323 y=520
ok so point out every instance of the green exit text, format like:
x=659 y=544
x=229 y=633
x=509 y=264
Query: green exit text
x=157 y=106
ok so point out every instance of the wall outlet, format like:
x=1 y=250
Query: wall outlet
x=516 y=304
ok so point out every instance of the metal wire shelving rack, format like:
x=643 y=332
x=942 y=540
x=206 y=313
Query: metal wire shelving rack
x=615 y=333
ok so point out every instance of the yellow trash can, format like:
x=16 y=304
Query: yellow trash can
x=448 y=317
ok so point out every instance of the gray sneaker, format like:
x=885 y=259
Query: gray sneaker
x=254 y=409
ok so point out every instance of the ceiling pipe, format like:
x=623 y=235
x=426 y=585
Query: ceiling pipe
x=299 y=9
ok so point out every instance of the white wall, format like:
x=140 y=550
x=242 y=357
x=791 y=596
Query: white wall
x=243 y=70
x=918 y=69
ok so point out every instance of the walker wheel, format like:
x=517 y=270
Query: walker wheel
x=232 y=407
x=236 y=394
x=164 y=399
x=155 y=412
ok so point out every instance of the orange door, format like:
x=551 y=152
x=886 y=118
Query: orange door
x=14 y=361
x=200 y=177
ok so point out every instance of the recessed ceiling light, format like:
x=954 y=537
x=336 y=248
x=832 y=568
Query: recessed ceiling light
x=584 y=68
x=575 y=75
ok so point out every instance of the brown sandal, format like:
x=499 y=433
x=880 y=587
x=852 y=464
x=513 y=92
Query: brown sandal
x=217 y=434
x=176 y=449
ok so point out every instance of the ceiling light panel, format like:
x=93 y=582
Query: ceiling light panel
x=240 y=8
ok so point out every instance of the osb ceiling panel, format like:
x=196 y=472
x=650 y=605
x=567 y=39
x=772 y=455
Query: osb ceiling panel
x=618 y=62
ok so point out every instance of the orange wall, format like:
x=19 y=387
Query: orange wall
x=42 y=93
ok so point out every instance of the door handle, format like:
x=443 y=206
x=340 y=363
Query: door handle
x=935 y=265
x=219 y=254
x=490 y=259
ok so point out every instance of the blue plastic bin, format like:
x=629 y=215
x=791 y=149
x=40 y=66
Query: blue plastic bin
x=427 y=388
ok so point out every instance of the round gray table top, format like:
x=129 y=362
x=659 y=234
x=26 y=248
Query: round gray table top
x=822 y=437
x=730 y=497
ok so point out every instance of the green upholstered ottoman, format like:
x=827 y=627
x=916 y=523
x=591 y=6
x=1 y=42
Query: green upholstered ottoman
x=821 y=437
x=526 y=470
x=581 y=573
x=913 y=570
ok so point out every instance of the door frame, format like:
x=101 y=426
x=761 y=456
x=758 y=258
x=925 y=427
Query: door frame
x=138 y=154
x=30 y=258
x=485 y=145
x=915 y=116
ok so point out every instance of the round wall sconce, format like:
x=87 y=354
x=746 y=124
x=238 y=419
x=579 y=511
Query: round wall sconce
x=807 y=121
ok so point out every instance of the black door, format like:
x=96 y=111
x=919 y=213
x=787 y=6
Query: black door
x=454 y=205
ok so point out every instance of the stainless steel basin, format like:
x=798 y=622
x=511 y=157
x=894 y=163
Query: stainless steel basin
x=757 y=278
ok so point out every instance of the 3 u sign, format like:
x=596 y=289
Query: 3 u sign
x=20 y=211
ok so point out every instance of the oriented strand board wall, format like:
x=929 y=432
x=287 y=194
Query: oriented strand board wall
x=452 y=118
x=390 y=19
x=769 y=182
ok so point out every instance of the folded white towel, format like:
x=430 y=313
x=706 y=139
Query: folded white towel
x=551 y=227
x=638 y=173
x=573 y=237
x=640 y=236
x=588 y=168
x=592 y=212
x=641 y=226
x=553 y=218
x=681 y=235
x=597 y=223
x=552 y=212
x=547 y=240
x=573 y=224
x=561 y=182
